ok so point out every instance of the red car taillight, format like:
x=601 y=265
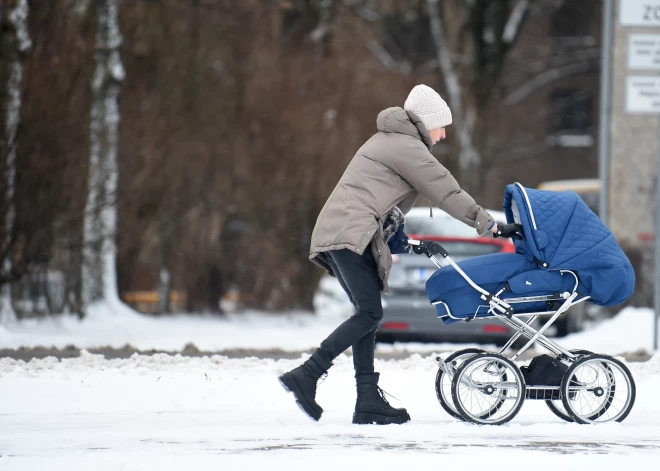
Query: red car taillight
x=494 y=329
x=396 y=325
x=508 y=248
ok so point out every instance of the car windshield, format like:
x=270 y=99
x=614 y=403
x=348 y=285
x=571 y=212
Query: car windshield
x=438 y=226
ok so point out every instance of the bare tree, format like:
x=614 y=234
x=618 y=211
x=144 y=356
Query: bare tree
x=238 y=118
x=14 y=44
x=469 y=156
x=99 y=248
x=494 y=30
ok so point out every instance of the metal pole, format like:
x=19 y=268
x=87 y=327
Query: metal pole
x=657 y=258
x=605 y=109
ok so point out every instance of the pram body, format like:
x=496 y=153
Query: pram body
x=567 y=256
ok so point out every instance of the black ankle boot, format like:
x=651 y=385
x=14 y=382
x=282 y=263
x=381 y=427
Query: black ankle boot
x=302 y=381
x=372 y=407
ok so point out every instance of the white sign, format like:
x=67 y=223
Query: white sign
x=639 y=12
x=643 y=95
x=644 y=51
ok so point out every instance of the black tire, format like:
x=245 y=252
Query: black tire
x=551 y=404
x=581 y=352
x=566 y=383
x=449 y=409
x=555 y=410
x=385 y=338
x=481 y=420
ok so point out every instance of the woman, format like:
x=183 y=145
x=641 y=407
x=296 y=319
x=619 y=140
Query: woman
x=390 y=170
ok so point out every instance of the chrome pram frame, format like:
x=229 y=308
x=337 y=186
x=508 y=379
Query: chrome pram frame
x=504 y=310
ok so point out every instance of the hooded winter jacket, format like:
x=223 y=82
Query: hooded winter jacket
x=391 y=169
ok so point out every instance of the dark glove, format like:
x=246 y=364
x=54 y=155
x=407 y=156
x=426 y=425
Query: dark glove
x=398 y=243
x=512 y=231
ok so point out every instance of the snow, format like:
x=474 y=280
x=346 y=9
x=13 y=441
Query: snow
x=171 y=413
x=628 y=331
x=115 y=325
x=105 y=327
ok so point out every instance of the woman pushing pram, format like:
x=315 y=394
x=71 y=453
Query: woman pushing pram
x=390 y=170
x=564 y=256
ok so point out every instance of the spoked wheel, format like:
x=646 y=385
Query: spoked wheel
x=443 y=380
x=556 y=406
x=488 y=389
x=598 y=389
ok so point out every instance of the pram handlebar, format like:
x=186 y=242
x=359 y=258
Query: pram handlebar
x=432 y=248
x=428 y=248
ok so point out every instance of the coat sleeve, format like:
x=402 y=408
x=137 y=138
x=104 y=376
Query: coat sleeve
x=430 y=178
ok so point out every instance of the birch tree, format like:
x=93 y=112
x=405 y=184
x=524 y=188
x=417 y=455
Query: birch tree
x=14 y=45
x=494 y=31
x=469 y=157
x=99 y=231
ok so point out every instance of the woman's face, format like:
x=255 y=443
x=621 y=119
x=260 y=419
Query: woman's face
x=437 y=135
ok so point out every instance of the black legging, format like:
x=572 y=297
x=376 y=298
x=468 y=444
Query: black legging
x=358 y=276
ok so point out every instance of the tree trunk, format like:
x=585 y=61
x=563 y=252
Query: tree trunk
x=14 y=44
x=469 y=157
x=99 y=248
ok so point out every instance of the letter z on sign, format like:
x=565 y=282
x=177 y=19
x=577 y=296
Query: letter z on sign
x=639 y=13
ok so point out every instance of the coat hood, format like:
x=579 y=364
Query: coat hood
x=398 y=120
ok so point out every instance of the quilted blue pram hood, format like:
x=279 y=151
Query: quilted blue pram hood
x=562 y=233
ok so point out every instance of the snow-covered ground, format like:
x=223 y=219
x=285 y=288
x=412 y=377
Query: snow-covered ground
x=174 y=413
x=631 y=330
x=118 y=326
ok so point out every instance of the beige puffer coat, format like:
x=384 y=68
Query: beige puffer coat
x=390 y=169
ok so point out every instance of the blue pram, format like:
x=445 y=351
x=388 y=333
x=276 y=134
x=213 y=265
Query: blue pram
x=567 y=256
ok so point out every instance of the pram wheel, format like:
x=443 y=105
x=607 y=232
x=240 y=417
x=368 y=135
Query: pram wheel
x=556 y=406
x=598 y=389
x=488 y=389
x=443 y=380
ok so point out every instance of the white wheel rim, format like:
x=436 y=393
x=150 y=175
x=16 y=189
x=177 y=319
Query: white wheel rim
x=599 y=391
x=489 y=390
x=445 y=381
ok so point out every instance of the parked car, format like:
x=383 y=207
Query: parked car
x=587 y=188
x=407 y=313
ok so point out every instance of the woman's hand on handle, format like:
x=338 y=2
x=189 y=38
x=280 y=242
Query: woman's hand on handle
x=512 y=231
x=398 y=243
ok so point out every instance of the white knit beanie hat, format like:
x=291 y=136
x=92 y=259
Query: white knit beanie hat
x=429 y=106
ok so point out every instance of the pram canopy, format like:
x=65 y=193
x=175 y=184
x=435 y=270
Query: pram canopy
x=561 y=234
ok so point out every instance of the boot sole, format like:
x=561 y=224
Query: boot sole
x=363 y=418
x=291 y=386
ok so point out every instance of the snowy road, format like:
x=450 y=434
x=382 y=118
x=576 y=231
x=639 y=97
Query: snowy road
x=163 y=412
